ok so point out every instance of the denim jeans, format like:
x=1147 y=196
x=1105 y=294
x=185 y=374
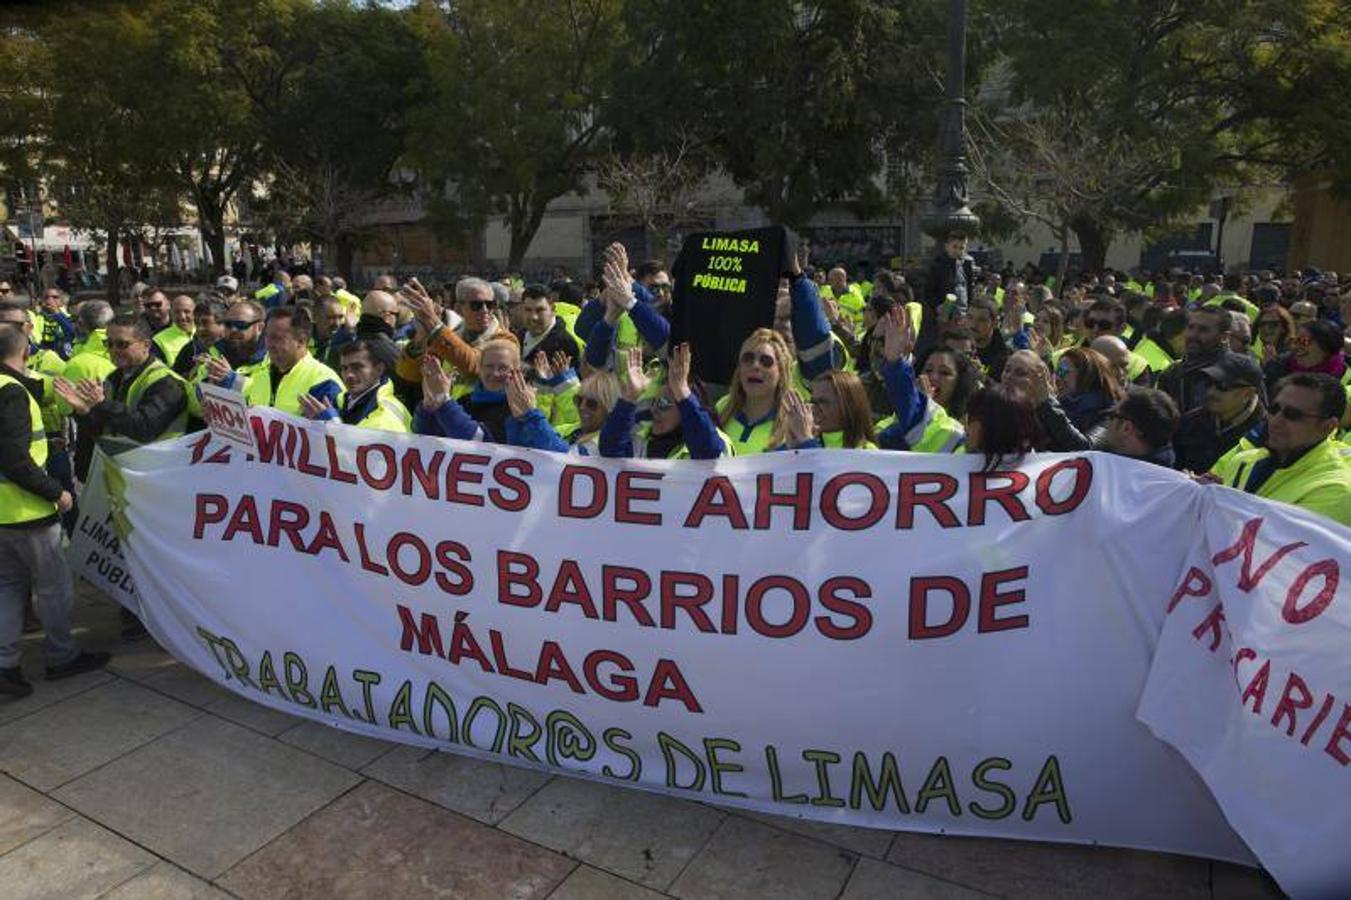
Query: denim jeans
x=32 y=562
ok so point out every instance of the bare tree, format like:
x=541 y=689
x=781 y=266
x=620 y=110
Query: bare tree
x=660 y=191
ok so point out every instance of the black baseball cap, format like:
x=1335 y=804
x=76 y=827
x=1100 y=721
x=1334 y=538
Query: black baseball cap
x=1234 y=370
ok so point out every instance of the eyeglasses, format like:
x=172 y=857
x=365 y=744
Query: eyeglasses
x=238 y=324
x=120 y=345
x=586 y=402
x=1291 y=414
x=764 y=359
x=662 y=404
x=1100 y=324
x=661 y=287
x=481 y=305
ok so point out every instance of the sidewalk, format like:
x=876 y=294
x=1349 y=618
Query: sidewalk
x=149 y=781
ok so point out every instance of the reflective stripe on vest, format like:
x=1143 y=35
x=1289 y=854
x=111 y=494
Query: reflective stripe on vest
x=305 y=375
x=16 y=504
x=152 y=374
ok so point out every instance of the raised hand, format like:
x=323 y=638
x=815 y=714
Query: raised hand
x=678 y=372
x=91 y=391
x=436 y=383
x=799 y=425
x=897 y=334
x=543 y=368
x=560 y=362
x=217 y=369
x=314 y=408
x=71 y=394
x=426 y=311
x=635 y=380
x=520 y=395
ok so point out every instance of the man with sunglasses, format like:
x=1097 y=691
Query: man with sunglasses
x=1141 y=426
x=140 y=402
x=240 y=351
x=1232 y=419
x=1302 y=462
x=57 y=331
x=461 y=344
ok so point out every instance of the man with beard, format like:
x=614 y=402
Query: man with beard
x=240 y=348
x=1207 y=342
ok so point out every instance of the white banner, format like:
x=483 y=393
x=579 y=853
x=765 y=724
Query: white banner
x=95 y=550
x=890 y=640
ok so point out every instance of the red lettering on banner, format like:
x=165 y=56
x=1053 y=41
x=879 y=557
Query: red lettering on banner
x=1317 y=720
x=568 y=507
x=518 y=570
x=1245 y=545
x=920 y=588
x=426 y=633
x=428 y=476
x=1340 y=732
x=877 y=501
x=335 y=470
x=1256 y=691
x=692 y=604
x=668 y=683
x=366 y=563
x=910 y=496
x=513 y=492
x=267 y=441
x=1331 y=574
x=755 y=598
x=570 y=587
x=627 y=492
x=289 y=519
x=458 y=579
x=731 y=594
x=500 y=658
x=245 y=518
x=717 y=497
x=1211 y=625
x=390 y=471
x=991 y=599
x=1195 y=584
x=621 y=688
x=1288 y=704
x=303 y=463
x=458 y=472
x=613 y=593
x=554 y=665
x=413 y=577
x=980 y=493
x=799 y=500
x=861 y=616
x=210 y=510
x=1083 y=480
x=326 y=538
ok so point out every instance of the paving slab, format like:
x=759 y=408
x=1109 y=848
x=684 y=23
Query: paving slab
x=242 y=711
x=140 y=659
x=1044 y=870
x=45 y=692
x=644 y=837
x=165 y=882
x=1233 y=882
x=26 y=814
x=74 y=860
x=481 y=790
x=745 y=859
x=207 y=795
x=873 y=880
x=351 y=751
x=186 y=684
x=69 y=738
x=586 y=883
x=872 y=842
x=378 y=842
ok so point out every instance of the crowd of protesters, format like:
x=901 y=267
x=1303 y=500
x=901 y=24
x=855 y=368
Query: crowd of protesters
x=1236 y=379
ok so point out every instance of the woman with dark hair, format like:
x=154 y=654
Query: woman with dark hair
x=1275 y=333
x=1088 y=387
x=950 y=378
x=841 y=416
x=1001 y=422
x=1317 y=348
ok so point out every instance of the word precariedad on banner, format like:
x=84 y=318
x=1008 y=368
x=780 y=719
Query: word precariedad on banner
x=889 y=640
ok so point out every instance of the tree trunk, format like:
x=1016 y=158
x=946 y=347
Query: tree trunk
x=211 y=224
x=341 y=259
x=114 y=269
x=1063 y=266
x=1094 y=239
x=525 y=221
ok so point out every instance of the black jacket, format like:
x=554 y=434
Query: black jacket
x=161 y=403
x=555 y=339
x=1184 y=382
x=1198 y=443
x=939 y=283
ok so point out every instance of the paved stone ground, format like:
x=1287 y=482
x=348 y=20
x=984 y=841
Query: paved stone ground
x=149 y=781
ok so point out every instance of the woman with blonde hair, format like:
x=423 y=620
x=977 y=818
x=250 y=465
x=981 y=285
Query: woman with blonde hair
x=753 y=414
x=528 y=427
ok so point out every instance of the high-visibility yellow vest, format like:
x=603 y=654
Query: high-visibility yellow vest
x=16 y=504
x=745 y=441
x=1154 y=356
x=285 y=395
x=152 y=374
x=388 y=414
x=834 y=440
x=170 y=341
x=1319 y=481
x=936 y=432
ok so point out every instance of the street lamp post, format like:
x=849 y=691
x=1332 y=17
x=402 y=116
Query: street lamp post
x=950 y=212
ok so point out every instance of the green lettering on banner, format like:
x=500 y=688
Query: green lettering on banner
x=888 y=781
x=822 y=759
x=776 y=779
x=938 y=784
x=568 y=738
x=437 y=694
x=401 y=710
x=330 y=696
x=1050 y=788
x=670 y=745
x=481 y=703
x=610 y=737
x=297 y=680
x=717 y=767
x=521 y=744
x=1010 y=800
x=367 y=679
x=267 y=676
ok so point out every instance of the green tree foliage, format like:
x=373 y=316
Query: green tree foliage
x=513 y=117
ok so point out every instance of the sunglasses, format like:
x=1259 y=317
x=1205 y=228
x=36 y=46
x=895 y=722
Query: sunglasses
x=481 y=305
x=1100 y=324
x=764 y=359
x=120 y=345
x=661 y=287
x=238 y=324
x=586 y=402
x=1291 y=413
